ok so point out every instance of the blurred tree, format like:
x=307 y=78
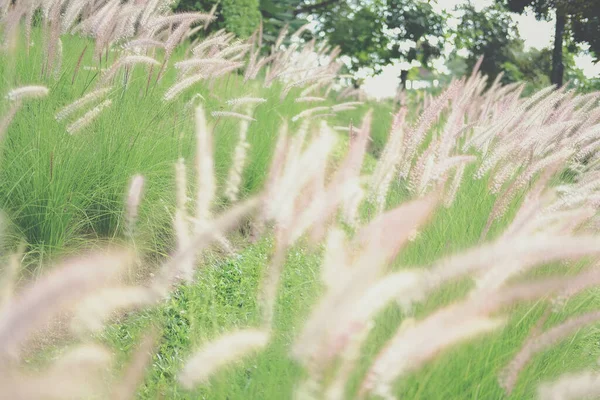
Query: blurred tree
x=576 y=19
x=535 y=67
x=373 y=33
x=490 y=33
x=241 y=17
x=456 y=65
x=358 y=31
x=417 y=22
x=532 y=66
x=277 y=14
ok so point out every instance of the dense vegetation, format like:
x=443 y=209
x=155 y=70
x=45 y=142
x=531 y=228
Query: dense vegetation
x=189 y=215
x=412 y=33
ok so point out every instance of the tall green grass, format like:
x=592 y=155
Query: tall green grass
x=60 y=190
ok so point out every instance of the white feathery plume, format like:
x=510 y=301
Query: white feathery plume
x=135 y=371
x=453 y=190
x=78 y=374
x=386 y=167
x=214 y=355
x=335 y=259
x=59 y=58
x=8 y=117
x=10 y=274
x=320 y=340
x=217 y=40
x=234 y=181
x=181 y=225
x=88 y=117
x=309 y=99
x=33 y=307
x=200 y=62
x=78 y=104
x=149 y=9
x=542 y=341
x=71 y=14
x=309 y=112
x=180 y=18
x=182 y=85
x=126 y=61
x=245 y=100
x=235 y=49
x=216 y=72
x=571 y=386
x=134 y=199
x=93 y=311
x=205 y=174
x=143 y=42
x=26 y=92
x=298 y=172
x=346 y=106
x=417 y=345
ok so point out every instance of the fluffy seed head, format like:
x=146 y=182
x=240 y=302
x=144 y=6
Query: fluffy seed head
x=27 y=92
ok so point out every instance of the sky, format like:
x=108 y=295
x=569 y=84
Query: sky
x=538 y=34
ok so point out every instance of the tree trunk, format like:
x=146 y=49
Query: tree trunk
x=403 y=79
x=558 y=68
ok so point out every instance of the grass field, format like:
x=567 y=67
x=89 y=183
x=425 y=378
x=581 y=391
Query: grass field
x=54 y=209
x=225 y=297
x=63 y=194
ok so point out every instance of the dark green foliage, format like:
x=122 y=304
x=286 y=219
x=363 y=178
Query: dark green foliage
x=541 y=8
x=202 y=6
x=585 y=25
x=384 y=31
x=535 y=67
x=276 y=14
x=578 y=20
x=532 y=66
x=241 y=17
x=490 y=33
x=368 y=44
x=416 y=21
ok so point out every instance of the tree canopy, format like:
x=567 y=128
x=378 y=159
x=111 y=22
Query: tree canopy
x=578 y=20
x=490 y=33
x=241 y=17
x=375 y=33
x=378 y=32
